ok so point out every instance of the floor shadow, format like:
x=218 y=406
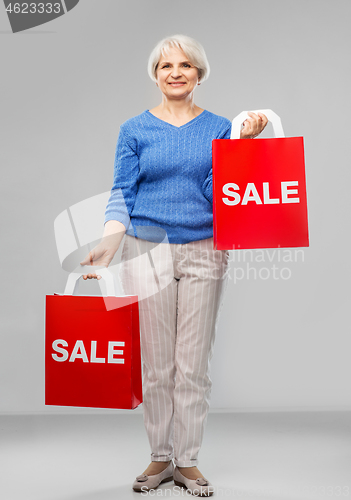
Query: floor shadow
x=124 y=491
x=26 y=32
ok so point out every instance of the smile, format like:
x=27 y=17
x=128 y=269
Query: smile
x=177 y=84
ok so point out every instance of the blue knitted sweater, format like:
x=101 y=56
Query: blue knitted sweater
x=163 y=176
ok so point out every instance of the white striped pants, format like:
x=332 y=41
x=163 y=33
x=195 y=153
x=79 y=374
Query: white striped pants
x=180 y=291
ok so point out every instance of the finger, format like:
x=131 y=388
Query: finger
x=249 y=123
x=255 y=123
x=258 y=123
x=92 y=276
x=264 y=119
x=246 y=125
x=88 y=259
x=255 y=118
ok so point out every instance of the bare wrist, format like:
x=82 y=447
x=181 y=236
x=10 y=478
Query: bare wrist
x=114 y=227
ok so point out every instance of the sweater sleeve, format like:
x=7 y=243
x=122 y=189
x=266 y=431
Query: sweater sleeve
x=207 y=185
x=125 y=184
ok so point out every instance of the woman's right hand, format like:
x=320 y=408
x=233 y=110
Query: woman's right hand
x=103 y=253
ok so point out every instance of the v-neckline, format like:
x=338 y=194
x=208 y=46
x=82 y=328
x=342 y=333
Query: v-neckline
x=190 y=122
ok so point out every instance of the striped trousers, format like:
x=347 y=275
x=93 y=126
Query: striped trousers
x=180 y=289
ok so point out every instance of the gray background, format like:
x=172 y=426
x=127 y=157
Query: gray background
x=67 y=86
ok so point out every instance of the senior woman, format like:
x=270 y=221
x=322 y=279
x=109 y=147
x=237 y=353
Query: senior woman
x=163 y=179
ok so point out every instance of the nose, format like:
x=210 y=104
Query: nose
x=175 y=72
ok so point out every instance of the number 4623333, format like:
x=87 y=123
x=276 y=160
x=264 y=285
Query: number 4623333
x=34 y=8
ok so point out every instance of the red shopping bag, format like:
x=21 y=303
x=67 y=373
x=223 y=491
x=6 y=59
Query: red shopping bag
x=92 y=348
x=259 y=190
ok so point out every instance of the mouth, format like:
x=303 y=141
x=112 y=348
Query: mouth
x=176 y=84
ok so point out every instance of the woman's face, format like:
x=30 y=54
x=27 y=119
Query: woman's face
x=176 y=76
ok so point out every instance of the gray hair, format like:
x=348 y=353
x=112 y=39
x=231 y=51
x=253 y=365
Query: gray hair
x=191 y=48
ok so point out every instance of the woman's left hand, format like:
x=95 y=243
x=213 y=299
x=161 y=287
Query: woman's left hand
x=253 y=126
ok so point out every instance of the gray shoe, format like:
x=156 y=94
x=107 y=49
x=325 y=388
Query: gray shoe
x=146 y=483
x=199 y=487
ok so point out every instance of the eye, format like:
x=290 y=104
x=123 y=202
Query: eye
x=186 y=65
x=165 y=66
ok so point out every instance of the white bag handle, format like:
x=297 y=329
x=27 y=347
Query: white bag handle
x=272 y=117
x=107 y=283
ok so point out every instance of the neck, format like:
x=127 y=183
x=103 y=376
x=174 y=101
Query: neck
x=178 y=108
